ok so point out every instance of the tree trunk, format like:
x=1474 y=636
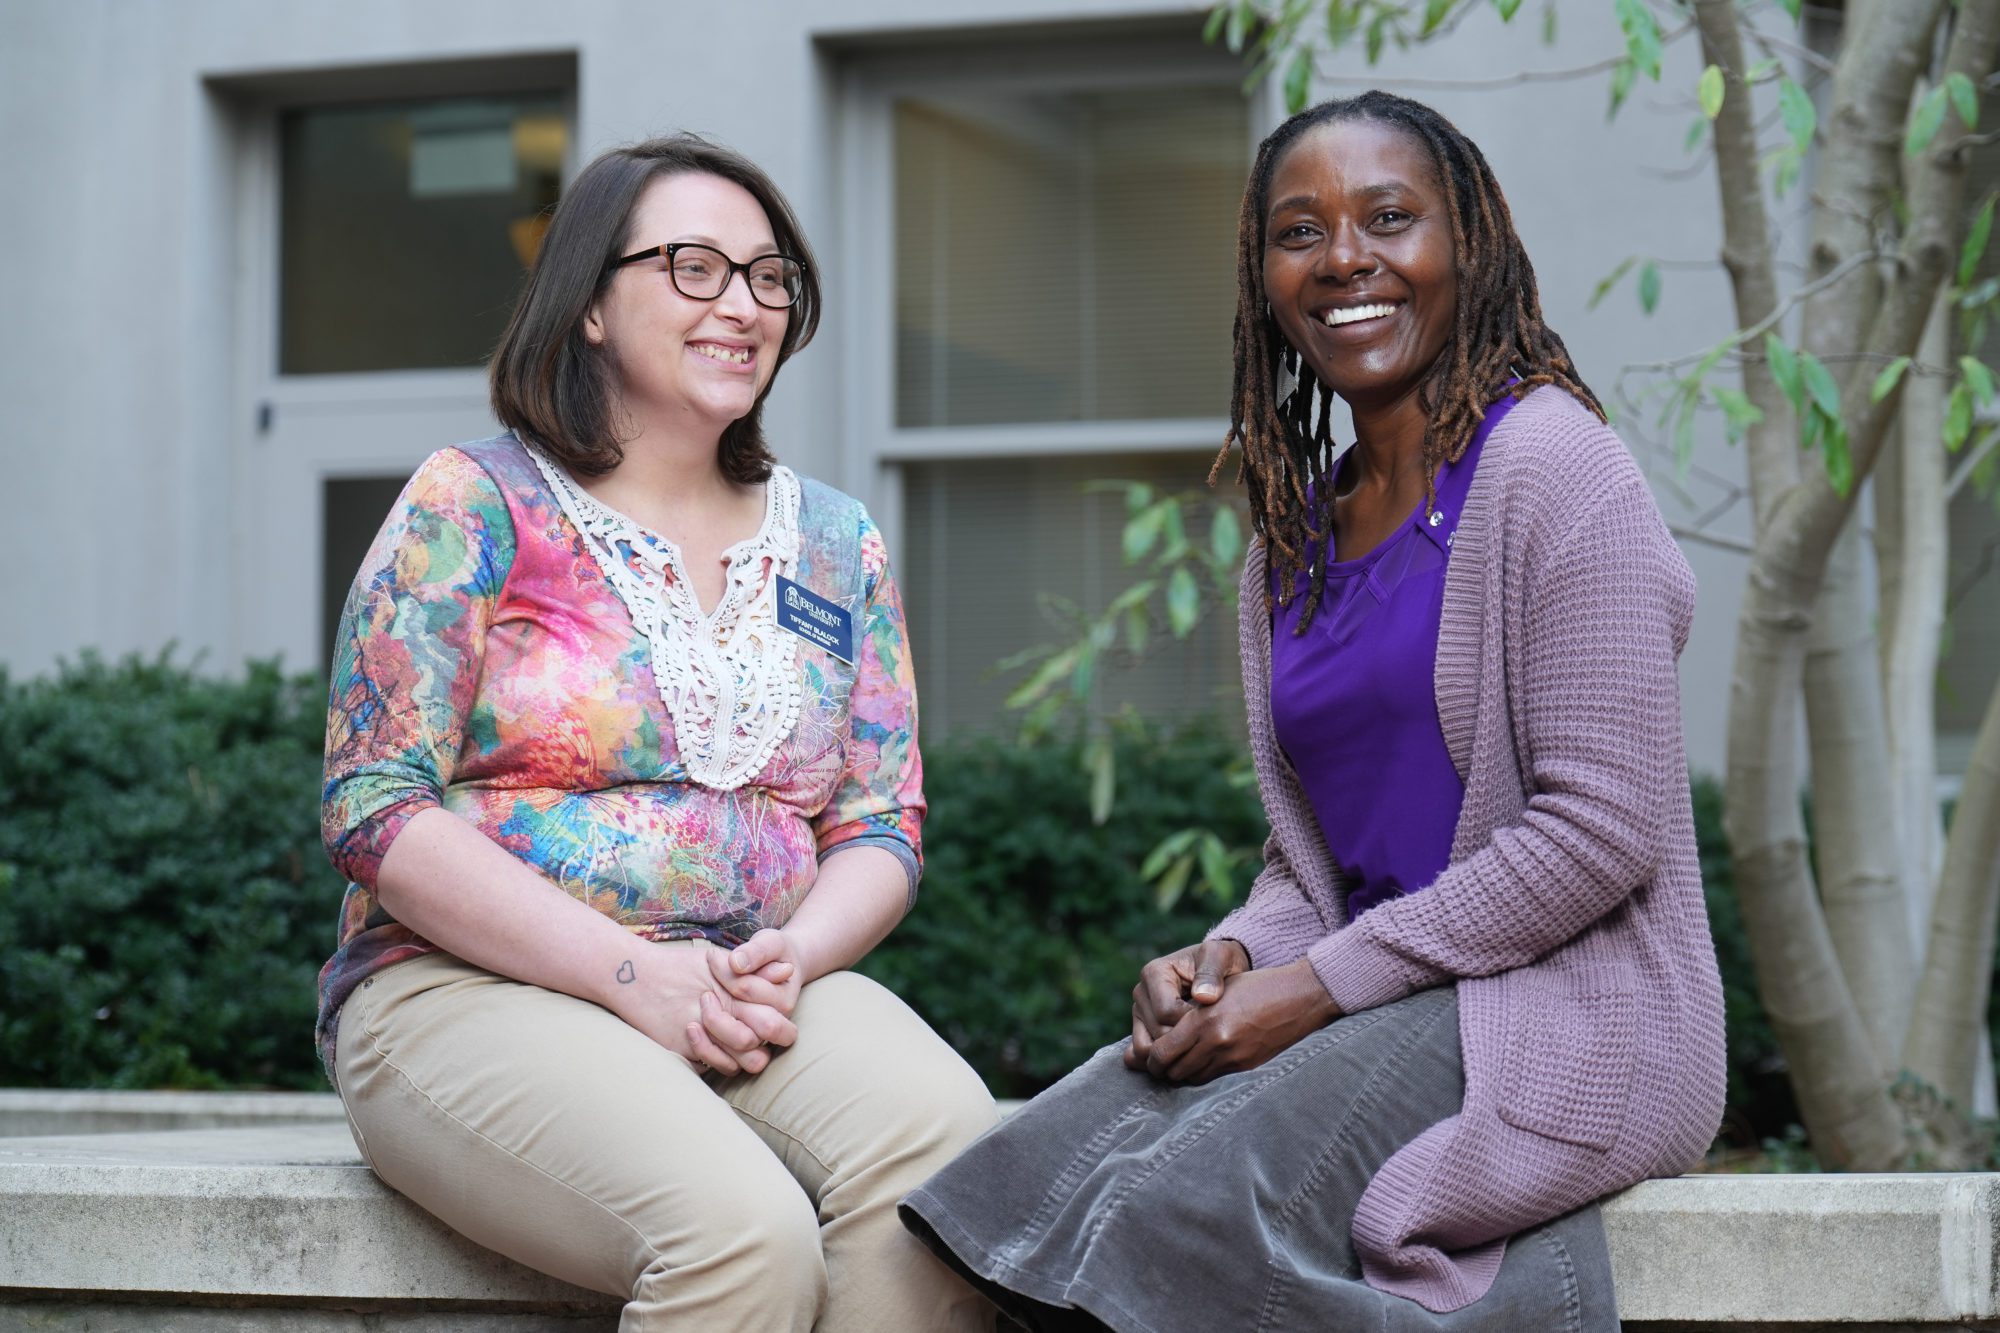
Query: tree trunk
x=1835 y=1070
x=1948 y=1024
x=1913 y=545
x=1836 y=1074
x=1862 y=887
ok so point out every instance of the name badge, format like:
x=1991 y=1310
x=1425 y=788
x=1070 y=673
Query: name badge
x=816 y=620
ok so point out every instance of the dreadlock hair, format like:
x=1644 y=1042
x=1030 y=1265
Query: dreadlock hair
x=1498 y=334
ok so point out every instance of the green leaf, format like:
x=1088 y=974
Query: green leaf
x=1977 y=377
x=1142 y=531
x=1610 y=280
x=1839 y=463
x=1216 y=18
x=1957 y=418
x=1987 y=289
x=1166 y=850
x=1789 y=162
x=1434 y=14
x=1792 y=8
x=1738 y=411
x=1298 y=80
x=1173 y=883
x=1622 y=75
x=1086 y=669
x=1709 y=90
x=1801 y=118
x=1974 y=248
x=1925 y=124
x=1176 y=534
x=1642 y=36
x=1225 y=536
x=1238 y=27
x=1549 y=23
x=1695 y=131
x=1215 y=867
x=1649 y=287
x=1138 y=629
x=1507 y=8
x=1047 y=674
x=1885 y=383
x=1342 y=21
x=1183 y=601
x=1810 y=426
x=1684 y=433
x=1784 y=369
x=1377 y=30
x=1964 y=96
x=1103 y=765
x=1131 y=597
x=1761 y=71
x=1820 y=383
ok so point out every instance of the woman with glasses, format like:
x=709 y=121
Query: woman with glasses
x=1472 y=990
x=622 y=765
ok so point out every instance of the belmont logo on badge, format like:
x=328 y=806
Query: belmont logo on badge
x=816 y=620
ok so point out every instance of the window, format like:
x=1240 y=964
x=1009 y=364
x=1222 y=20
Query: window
x=1059 y=227
x=1066 y=256
x=1970 y=662
x=384 y=217
x=987 y=543
x=405 y=227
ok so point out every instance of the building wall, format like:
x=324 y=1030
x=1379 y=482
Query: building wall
x=128 y=251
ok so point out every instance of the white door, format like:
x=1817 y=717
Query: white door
x=399 y=235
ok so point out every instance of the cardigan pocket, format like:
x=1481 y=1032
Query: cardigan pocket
x=1571 y=1047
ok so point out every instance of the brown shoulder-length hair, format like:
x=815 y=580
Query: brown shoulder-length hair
x=549 y=384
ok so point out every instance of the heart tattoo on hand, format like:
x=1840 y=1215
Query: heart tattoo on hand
x=626 y=973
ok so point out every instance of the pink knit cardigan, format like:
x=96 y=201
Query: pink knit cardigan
x=1571 y=916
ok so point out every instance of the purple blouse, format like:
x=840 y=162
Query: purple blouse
x=1352 y=700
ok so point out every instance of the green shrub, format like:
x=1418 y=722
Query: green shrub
x=1032 y=923
x=1760 y=1100
x=164 y=903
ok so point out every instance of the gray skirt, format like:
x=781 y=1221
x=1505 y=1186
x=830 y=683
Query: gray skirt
x=1116 y=1200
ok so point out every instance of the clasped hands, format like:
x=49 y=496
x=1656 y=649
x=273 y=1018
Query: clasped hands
x=1203 y=1012
x=723 y=1008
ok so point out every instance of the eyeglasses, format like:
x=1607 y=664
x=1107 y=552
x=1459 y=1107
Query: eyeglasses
x=702 y=272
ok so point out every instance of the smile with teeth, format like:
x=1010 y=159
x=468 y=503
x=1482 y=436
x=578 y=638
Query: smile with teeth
x=735 y=356
x=1356 y=314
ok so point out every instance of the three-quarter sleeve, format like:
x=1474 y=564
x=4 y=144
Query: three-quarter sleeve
x=879 y=801
x=407 y=658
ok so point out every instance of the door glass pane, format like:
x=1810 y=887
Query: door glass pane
x=1969 y=669
x=1066 y=256
x=353 y=510
x=992 y=548
x=405 y=228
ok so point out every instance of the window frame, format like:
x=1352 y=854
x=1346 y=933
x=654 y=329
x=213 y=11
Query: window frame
x=292 y=433
x=873 y=445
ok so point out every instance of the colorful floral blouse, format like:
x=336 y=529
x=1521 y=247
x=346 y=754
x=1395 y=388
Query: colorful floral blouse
x=535 y=663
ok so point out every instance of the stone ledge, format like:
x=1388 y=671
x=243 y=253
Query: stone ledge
x=286 y=1218
x=48 y=1111
x=288 y=1212
x=1800 y=1250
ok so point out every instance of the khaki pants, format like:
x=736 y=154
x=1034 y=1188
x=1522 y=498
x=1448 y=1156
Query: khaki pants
x=545 y=1128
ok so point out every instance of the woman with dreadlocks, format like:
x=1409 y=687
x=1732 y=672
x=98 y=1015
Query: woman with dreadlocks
x=1472 y=990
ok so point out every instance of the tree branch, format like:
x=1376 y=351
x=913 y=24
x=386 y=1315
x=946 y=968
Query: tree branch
x=1963 y=472
x=1812 y=513
x=1604 y=66
x=1746 y=243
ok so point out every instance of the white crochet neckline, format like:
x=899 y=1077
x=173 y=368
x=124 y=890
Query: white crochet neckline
x=729 y=677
